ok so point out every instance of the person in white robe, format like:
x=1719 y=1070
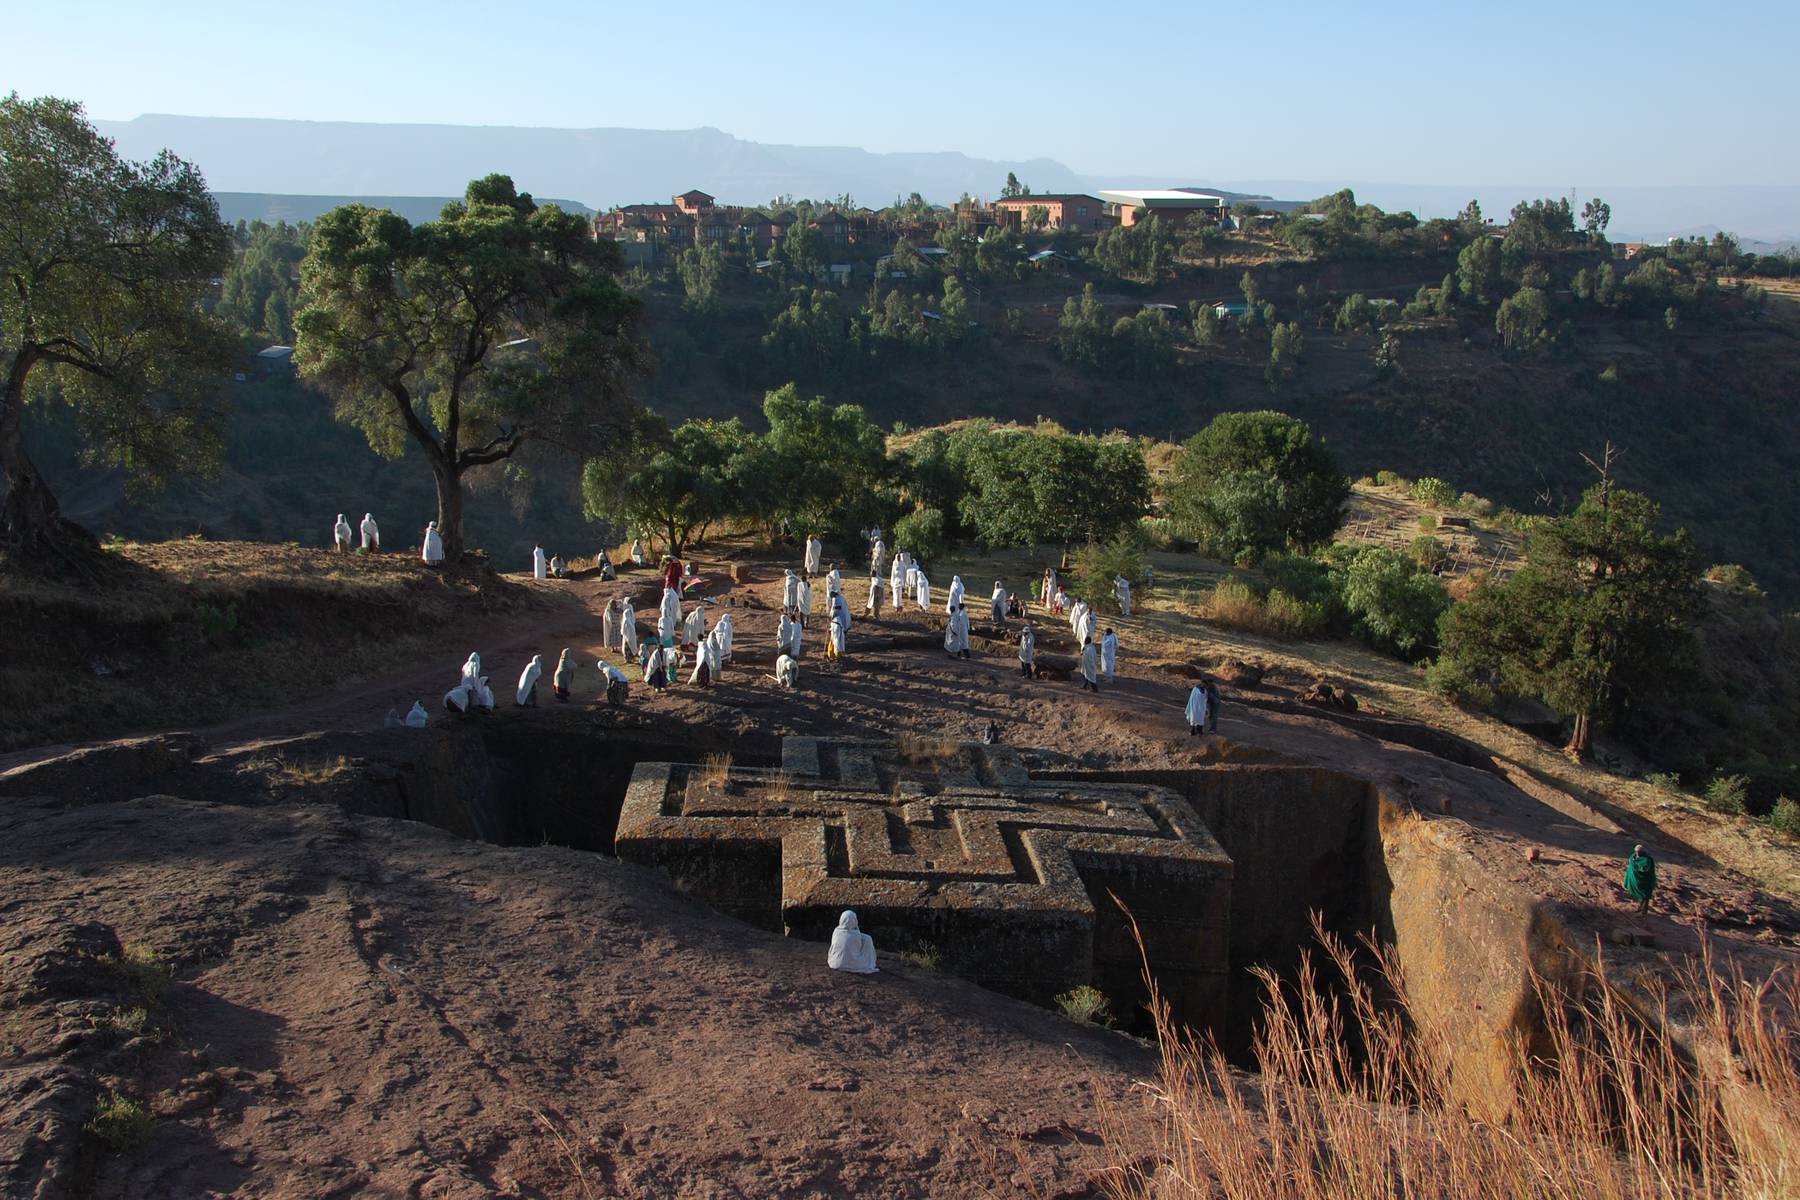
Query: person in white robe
x=1028 y=651
x=715 y=650
x=637 y=551
x=656 y=670
x=628 y=633
x=609 y=623
x=669 y=618
x=564 y=677
x=876 y=587
x=815 y=554
x=1060 y=601
x=540 y=563
x=1196 y=711
x=702 y=674
x=456 y=700
x=877 y=556
x=790 y=590
x=910 y=583
x=1122 y=591
x=834 y=580
x=997 y=603
x=922 y=592
x=725 y=629
x=897 y=579
x=417 y=717
x=955 y=597
x=1109 y=653
x=693 y=630
x=432 y=552
x=787 y=671
x=371 y=534
x=340 y=534
x=841 y=611
x=617 y=686
x=1050 y=586
x=784 y=632
x=528 y=681
x=483 y=696
x=1090 y=667
x=471 y=671
x=956 y=633
x=1077 y=612
x=837 y=638
x=803 y=599
x=851 y=949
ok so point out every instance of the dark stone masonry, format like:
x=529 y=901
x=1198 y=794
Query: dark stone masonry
x=1026 y=886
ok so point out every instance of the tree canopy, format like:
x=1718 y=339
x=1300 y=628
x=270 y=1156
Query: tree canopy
x=1253 y=482
x=1599 y=612
x=105 y=265
x=500 y=324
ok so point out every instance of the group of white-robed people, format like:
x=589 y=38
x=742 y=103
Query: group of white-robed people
x=341 y=534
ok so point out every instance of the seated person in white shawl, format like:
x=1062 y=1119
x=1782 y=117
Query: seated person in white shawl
x=851 y=949
x=787 y=671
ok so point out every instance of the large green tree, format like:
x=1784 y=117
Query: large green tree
x=1027 y=488
x=1253 y=482
x=1599 y=612
x=678 y=488
x=500 y=325
x=826 y=463
x=104 y=267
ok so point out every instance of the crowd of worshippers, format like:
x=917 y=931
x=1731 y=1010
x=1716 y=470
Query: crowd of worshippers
x=685 y=644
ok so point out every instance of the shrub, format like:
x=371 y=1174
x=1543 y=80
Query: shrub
x=1479 y=506
x=1428 y=522
x=1434 y=492
x=1426 y=551
x=924 y=955
x=1097 y=566
x=1390 y=479
x=216 y=622
x=921 y=532
x=1290 y=616
x=1086 y=1004
x=1732 y=578
x=119 y=1123
x=1156 y=533
x=1394 y=606
x=1727 y=794
x=1785 y=817
x=143 y=973
x=1664 y=781
x=1237 y=604
x=1452 y=680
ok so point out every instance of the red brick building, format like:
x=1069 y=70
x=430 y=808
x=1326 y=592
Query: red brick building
x=1085 y=214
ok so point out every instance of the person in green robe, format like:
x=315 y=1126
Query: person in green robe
x=1640 y=877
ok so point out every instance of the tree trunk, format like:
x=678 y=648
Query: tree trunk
x=450 y=511
x=1580 y=738
x=31 y=523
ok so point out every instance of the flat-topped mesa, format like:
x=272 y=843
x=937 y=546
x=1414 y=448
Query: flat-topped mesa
x=954 y=847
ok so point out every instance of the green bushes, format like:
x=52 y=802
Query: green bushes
x=1728 y=794
x=921 y=532
x=1096 y=566
x=119 y=1123
x=1240 y=604
x=1785 y=817
x=1087 y=1005
x=1434 y=492
x=1391 y=603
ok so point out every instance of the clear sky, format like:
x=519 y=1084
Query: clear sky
x=1445 y=92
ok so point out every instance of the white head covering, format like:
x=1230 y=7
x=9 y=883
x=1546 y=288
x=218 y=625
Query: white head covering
x=1196 y=706
x=851 y=949
x=471 y=670
x=416 y=716
x=528 y=678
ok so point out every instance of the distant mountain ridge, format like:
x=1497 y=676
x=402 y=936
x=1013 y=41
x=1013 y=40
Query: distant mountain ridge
x=281 y=206
x=609 y=166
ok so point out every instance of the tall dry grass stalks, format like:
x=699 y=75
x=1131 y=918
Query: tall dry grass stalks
x=713 y=772
x=1615 y=1103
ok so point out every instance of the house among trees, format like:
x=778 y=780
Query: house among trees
x=693 y=218
x=1084 y=214
x=1173 y=205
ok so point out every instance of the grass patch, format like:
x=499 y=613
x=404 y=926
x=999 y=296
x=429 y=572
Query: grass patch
x=1086 y=1004
x=120 y=1124
x=918 y=749
x=303 y=772
x=142 y=973
x=1236 y=604
x=1349 y=1100
x=924 y=955
x=713 y=772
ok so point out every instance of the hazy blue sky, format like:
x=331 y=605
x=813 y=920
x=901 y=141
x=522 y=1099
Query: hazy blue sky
x=1576 y=93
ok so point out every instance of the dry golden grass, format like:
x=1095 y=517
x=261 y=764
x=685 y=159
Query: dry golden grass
x=1615 y=1105
x=918 y=749
x=299 y=771
x=713 y=772
x=780 y=788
